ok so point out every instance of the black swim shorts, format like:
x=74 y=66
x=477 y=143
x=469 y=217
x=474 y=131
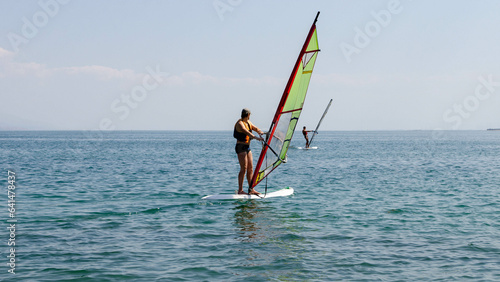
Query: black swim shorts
x=241 y=148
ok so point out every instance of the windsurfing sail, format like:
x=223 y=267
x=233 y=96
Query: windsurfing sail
x=321 y=119
x=287 y=114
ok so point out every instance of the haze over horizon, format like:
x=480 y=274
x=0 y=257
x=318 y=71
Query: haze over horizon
x=176 y=65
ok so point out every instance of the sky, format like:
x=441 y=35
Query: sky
x=193 y=65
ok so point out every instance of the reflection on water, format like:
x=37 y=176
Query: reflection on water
x=270 y=238
x=251 y=219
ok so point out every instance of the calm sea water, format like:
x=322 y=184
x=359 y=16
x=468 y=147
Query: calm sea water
x=368 y=206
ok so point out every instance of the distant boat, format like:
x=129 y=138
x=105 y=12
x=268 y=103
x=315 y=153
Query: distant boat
x=316 y=130
x=491 y=129
x=319 y=123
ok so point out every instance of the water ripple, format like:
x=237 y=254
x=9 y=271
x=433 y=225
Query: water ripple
x=369 y=206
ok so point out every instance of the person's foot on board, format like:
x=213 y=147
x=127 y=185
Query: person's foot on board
x=253 y=192
x=242 y=192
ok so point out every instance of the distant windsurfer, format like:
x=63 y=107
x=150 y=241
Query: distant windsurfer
x=243 y=134
x=304 y=131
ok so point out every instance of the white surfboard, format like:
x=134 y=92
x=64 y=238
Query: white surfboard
x=309 y=148
x=280 y=193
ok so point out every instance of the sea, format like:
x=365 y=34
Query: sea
x=368 y=206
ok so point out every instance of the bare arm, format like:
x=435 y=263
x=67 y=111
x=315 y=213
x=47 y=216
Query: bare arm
x=241 y=127
x=255 y=128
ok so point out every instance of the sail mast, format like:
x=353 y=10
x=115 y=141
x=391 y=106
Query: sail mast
x=288 y=111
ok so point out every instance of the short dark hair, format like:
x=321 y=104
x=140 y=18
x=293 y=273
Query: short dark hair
x=245 y=112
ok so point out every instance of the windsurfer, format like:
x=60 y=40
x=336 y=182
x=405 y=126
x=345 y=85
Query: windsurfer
x=243 y=134
x=304 y=131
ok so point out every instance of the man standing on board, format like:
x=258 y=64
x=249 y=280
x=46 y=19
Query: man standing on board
x=243 y=134
x=304 y=131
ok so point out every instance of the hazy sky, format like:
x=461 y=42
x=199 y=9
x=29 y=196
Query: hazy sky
x=193 y=65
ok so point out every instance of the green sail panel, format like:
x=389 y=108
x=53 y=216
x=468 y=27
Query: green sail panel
x=287 y=115
x=313 y=43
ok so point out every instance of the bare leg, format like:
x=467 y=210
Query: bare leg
x=250 y=173
x=242 y=158
x=249 y=161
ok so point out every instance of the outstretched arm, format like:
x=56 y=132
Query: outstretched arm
x=255 y=128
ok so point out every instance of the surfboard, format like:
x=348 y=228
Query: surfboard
x=304 y=148
x=280 y=193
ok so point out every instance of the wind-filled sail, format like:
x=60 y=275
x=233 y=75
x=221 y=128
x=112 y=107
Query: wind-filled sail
x=287 y=115
x=320 y=120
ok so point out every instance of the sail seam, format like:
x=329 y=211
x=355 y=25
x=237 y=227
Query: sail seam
x=291 y=111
